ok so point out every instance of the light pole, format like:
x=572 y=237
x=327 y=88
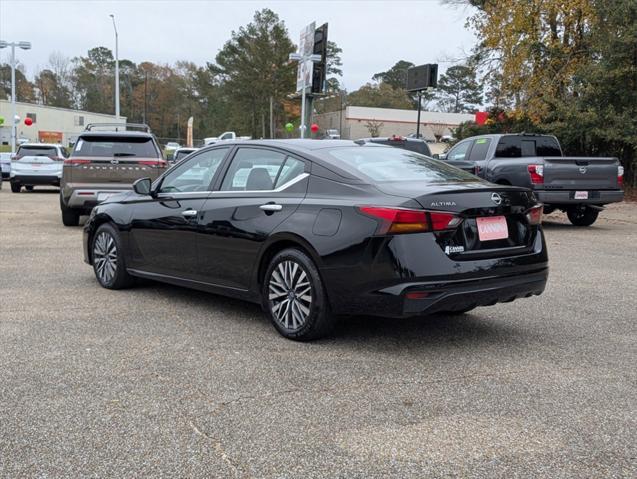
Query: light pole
x=303 y=61
x=116 y=68
x=24 y=46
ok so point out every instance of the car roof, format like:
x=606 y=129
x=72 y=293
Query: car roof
x=292 y=144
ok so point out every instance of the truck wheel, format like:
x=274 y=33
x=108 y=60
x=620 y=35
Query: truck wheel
x=581 y=215
x=70 y=217
x=15 y=187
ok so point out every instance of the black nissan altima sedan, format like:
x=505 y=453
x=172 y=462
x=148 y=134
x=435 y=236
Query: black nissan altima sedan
x=316 y=229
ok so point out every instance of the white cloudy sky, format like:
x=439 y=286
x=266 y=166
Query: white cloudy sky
x=372 y=34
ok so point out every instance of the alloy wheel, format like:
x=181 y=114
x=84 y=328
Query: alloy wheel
x=105 y=257
x=290 y=295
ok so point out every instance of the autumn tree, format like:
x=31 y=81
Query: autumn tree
x=51 y=90
x=23 y=89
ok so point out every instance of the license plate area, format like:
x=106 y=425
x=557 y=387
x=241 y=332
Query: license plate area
x=581 y=195
x=492 y=228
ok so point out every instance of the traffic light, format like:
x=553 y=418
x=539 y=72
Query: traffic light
x=320 y=69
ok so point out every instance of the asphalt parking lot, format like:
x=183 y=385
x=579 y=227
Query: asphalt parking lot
x=160 y=381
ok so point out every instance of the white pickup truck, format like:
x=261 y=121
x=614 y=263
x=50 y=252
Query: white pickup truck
x=225 y=136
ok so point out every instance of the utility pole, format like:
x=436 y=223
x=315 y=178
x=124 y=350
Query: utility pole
x=23 y=46
x=418 y=121
x=116 y=68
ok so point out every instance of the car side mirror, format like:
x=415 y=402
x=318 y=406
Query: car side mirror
x=142 y=186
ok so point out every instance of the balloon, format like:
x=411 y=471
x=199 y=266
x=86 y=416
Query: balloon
x=289 y=127
x=314 y=128
x=28 y=121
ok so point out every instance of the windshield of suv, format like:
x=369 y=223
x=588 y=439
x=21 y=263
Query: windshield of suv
x=30 y=150
x=116 y=146
x=393 y=164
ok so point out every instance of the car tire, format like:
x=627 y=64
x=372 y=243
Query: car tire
x=108 y=258
x=70 y=217
x=29 y=188
x=582 y=215
x=294 y=297
x=15 y=187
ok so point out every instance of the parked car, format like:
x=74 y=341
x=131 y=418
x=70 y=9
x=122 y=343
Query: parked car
x=104 y=163
x=579 y=186
x=181 y=153
x=313 y=229
x=36 y=164
x=5 y=165
x=411 y=144
x=332 y=135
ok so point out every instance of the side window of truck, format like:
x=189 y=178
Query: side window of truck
x=459 y=152
x=480 y=149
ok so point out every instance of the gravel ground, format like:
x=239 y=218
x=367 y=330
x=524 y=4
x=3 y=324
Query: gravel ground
x=159 y=381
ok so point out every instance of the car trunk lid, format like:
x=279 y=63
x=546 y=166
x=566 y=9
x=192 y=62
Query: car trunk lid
x=494 y=218
x=580 y=173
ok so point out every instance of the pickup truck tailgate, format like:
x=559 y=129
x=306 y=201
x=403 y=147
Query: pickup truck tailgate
x=575 y=173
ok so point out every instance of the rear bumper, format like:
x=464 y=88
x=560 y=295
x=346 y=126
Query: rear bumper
x=567 y=197
x=35 y=179
x=411 y=275
x=87 y=198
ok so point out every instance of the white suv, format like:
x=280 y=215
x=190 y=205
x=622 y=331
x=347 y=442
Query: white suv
x=36 y=164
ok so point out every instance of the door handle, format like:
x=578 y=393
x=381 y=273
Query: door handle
x=271 y=207
x=189 y=213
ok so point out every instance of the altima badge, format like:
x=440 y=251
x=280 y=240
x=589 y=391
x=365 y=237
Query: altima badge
x=496 y=198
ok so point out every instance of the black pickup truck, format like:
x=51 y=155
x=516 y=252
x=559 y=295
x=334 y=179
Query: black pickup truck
x=580 y=186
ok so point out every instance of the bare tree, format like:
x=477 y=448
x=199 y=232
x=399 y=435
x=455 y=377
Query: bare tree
x=374 y=127
x=438 y=130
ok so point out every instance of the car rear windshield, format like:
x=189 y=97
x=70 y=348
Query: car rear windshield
x=525 y=146
x=109 y=146
x=393 y=164
x=37 y=151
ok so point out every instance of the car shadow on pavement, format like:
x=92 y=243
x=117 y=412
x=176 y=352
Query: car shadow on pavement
x=421 y=331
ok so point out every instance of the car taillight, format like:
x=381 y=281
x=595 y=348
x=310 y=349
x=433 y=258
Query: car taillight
x=620 y=176
x=75 y=162
x=534 y=215
x=401 y=220
x=537 y=174
x=155 y=163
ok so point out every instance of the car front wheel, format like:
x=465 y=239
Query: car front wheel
x=108 y=258
x=294 y=297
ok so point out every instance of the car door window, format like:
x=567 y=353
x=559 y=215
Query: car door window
x=459 y=152
x=194 y=174
x=292 y=168
x=480 y=149
x=253 y=169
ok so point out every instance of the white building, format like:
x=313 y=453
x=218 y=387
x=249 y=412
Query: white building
x=356 y=122
x=50 y=124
